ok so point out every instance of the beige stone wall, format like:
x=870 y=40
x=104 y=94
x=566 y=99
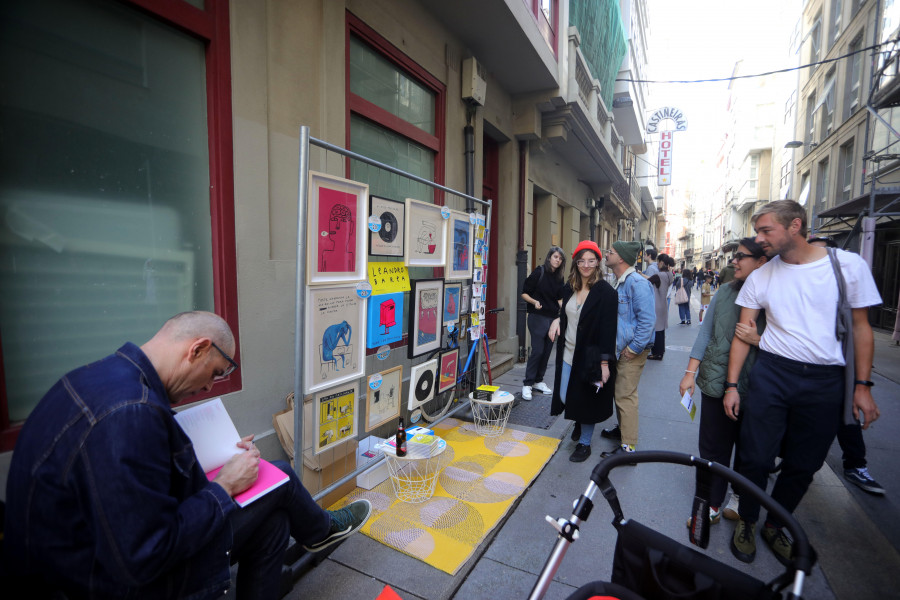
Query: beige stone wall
x=288 y=70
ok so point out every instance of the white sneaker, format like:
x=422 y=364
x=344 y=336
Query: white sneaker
x=730 y=511
x=526 y=392
x=542 y=388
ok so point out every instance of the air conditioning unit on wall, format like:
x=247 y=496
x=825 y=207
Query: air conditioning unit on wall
x=474 y=81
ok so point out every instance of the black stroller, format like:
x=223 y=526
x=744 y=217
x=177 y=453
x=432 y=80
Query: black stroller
x=648 y=565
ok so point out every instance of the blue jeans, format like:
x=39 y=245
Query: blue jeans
x=587 y=429
x=684 y=311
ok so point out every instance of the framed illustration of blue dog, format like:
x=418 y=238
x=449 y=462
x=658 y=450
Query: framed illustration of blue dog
x=459 y=247
x=385 y=320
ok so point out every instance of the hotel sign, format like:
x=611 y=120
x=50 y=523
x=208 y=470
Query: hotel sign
x=666 y=139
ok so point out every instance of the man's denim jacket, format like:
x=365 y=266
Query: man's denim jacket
x=637 y=314
x=105 y=497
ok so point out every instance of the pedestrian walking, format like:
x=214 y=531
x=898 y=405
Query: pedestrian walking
x=586 y=332
x=542 y=293
x=816 y=302
x=706 y=369
x=662 y=282
x=683 y=298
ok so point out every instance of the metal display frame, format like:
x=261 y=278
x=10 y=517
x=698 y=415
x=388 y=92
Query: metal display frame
x=300 y=293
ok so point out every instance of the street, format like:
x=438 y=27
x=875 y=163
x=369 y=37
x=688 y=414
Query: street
x=837 y=516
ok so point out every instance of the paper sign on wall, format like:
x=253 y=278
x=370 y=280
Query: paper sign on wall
x=388 y=277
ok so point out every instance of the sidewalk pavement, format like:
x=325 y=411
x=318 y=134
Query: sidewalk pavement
x=856 y=535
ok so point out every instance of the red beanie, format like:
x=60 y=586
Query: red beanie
x=587 y=245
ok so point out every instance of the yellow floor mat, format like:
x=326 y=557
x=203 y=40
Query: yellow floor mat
x=482 y=478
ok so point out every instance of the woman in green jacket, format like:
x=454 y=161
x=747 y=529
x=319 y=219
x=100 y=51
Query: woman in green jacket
x=709 y=363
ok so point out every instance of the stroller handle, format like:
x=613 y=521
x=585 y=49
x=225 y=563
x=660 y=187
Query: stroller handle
x=600 y=476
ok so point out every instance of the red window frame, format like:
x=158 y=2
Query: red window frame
x=212 y=27
x=549 y=28
x=363 y=108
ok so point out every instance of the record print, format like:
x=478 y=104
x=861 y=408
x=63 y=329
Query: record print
x=385 y=319
x=422 y=384
x=388 y=241
x=427 y=243
x=459 y=247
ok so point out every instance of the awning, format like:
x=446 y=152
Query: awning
x=852 y=208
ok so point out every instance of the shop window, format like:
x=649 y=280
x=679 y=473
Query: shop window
x=116 y=189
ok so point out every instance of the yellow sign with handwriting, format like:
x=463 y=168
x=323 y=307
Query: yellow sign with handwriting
x=388 y=277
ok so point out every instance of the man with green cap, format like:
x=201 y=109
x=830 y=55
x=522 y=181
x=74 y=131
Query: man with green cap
x=636 y=321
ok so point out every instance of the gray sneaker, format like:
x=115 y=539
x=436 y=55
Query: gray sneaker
x=861 y=478
x=344 y=523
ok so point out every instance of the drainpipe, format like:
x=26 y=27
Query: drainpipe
x=521 y=254
x=469 y=136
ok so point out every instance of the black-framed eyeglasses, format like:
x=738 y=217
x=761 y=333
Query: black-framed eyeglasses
x=230 y=369
x=740 y=256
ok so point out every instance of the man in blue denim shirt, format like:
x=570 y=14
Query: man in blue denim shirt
x=106 y=499
x=634 y=336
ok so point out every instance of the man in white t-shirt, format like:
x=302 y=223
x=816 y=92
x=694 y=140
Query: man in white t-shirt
x=796 y=394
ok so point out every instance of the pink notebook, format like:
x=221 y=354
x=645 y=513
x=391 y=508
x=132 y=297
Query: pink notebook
x=270 y=477
x=215 y=439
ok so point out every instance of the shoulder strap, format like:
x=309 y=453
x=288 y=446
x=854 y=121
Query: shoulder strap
x=840 y=329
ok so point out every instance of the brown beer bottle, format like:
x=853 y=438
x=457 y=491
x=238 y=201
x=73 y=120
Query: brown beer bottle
x=401 y=439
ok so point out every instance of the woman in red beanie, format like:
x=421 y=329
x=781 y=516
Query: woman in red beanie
x=586 y=328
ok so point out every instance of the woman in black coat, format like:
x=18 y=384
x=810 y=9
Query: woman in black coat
x=586 y=348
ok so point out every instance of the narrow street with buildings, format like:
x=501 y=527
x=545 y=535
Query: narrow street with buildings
x=270 y=161
x=855 y=534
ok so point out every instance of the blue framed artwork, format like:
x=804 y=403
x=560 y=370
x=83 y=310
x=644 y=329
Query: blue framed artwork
x=384 y=319
x=459 y=247
x=452 y=293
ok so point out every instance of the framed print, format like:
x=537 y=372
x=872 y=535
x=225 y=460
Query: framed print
x=465 y=297
x=383 y=404
x=451 y=303
x=447 y=368
x=422 y=384
x=336 y=230
x=384 y=324
x=388 y=241
x=426 y=245
x=335 y=410
x=425 y=313
x=459 y=246
x=335 y=328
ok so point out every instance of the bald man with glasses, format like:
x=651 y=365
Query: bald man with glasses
x=106 y=498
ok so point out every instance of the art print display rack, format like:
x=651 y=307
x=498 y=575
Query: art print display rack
x=342 y=225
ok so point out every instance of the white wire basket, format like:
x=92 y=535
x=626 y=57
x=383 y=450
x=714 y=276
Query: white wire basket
x=414 y=478
x=491 y=415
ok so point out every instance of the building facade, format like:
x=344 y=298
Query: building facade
x=150 y=163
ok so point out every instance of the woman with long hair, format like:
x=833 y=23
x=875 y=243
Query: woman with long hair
x=662 y=281
x=709 y=364
x=542 y=292
x=586 y=348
